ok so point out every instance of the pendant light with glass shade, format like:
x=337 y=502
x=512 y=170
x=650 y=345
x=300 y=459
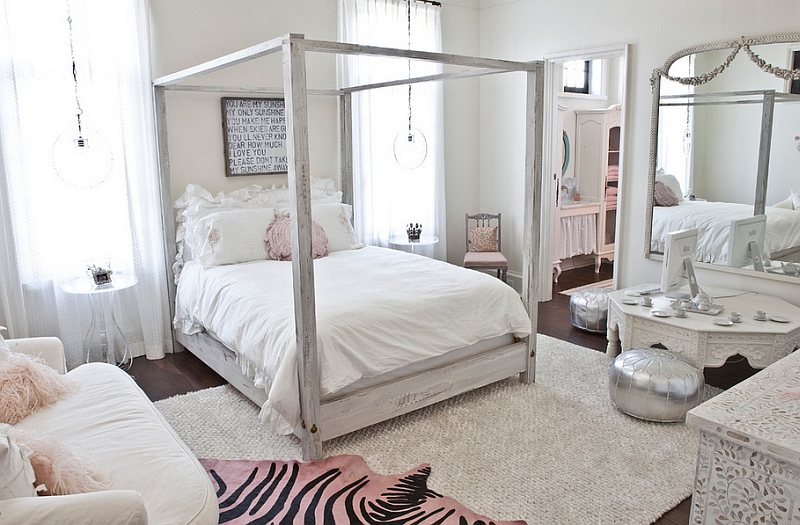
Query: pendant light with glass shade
x=83 y=161
x=410 y=146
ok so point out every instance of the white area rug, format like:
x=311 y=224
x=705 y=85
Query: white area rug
x=554 y=452
x=608 y=284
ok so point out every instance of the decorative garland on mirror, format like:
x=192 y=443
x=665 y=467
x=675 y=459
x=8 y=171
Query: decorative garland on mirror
x=738 y=45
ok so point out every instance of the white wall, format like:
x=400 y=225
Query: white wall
x=187 y=32
x=530 y=29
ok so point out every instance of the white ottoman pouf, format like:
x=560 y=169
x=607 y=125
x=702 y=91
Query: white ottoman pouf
x=655 y=385
x=588 y=309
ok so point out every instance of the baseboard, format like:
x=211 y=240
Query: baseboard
x=514 y=280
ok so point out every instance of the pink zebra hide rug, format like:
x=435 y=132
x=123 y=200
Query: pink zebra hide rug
x=338 y=489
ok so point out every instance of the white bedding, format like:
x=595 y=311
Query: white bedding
x=713 y=220
x=377 y=310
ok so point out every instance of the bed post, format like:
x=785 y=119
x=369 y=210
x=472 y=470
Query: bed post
x=294 y=81
x=534 y=124
x=346 y=138
x=167 y=211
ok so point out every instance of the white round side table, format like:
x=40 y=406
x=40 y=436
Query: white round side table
x=401 y=242
x=102 y=298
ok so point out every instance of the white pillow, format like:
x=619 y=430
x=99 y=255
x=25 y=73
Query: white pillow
x=197 y=202
x=795 y=196
x=336 y=219
x=671 y=182
x=16 y=473
x=786 y=204
x=234 y=236
x=5 y=351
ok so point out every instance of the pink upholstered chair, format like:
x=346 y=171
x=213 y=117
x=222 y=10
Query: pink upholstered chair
x=483 y=244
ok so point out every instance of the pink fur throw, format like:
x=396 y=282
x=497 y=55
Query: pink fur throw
x=27 y=385
x=58 y=471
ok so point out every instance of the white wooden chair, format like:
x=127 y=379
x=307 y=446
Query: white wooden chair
x=483 y=244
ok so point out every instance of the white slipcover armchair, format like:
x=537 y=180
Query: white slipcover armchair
x=154 y=478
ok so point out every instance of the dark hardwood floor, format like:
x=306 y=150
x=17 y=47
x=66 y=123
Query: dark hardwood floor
x=182 y=372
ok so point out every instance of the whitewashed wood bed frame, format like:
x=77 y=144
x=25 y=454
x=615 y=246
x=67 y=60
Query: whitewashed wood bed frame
x=324 y=420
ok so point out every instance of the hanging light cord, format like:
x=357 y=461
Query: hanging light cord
x=81 y=140
x=408 y=12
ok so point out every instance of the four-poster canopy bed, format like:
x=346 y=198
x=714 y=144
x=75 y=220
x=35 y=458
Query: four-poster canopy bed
x=325 y=415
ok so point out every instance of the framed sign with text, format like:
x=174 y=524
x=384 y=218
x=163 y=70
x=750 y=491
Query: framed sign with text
x=254 y=132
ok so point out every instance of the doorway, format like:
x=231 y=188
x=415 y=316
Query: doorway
x=583 y=162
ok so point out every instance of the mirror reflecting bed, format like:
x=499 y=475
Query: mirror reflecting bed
x=725 y=145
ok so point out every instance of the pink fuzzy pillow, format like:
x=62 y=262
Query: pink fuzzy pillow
x=58 y=471
x=279 y=239
x=27 y=385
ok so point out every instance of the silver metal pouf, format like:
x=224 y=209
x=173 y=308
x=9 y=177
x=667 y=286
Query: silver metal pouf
x=588 y=309
x=655 y=385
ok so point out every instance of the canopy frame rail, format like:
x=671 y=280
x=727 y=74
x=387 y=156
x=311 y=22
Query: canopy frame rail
x=293 y=48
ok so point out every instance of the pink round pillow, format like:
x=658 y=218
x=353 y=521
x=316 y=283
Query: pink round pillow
x=279 y=239
x=664 y=196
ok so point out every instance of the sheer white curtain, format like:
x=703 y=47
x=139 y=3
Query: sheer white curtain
x=387 y=195
x=54 y=223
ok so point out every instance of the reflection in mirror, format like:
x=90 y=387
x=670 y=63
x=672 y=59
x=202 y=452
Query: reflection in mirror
x=723 y=148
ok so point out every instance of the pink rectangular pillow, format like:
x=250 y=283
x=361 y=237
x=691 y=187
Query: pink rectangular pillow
x=483 y=239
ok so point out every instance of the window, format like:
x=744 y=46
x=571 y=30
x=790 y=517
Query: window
x=795 y=87
x=56 y=225
x=388 y=195
x=577 y=75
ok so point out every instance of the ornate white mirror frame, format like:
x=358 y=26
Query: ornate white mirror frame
x=743 y=44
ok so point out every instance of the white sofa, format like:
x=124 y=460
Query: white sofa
x=154 y=478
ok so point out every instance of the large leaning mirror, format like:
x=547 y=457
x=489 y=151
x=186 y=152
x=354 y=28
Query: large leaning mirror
x=725 y=145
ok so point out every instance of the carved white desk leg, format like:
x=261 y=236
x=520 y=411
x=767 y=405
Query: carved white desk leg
x=612 y=334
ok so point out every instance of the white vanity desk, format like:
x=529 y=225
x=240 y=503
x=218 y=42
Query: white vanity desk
x=697 y=338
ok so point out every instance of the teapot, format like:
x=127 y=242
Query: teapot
x=702 y=301
x=790 y=268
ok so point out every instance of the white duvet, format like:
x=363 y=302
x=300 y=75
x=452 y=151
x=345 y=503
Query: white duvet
x=377 y=310
x=713 y=221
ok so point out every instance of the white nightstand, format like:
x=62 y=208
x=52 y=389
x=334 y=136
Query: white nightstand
x=102 y=298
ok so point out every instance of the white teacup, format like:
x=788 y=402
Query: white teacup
x=736 y=317
x=680 y=311
x=760 y=315
x=647 y=301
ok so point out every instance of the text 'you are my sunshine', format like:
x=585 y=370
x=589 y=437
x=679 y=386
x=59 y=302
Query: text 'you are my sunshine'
x=256 y=134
